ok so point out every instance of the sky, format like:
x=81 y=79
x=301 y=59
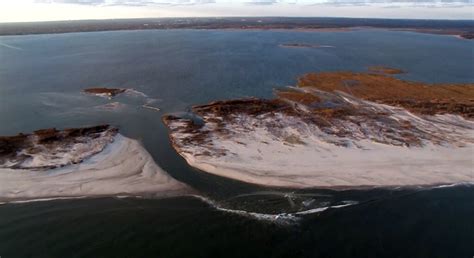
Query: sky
x=51 y=10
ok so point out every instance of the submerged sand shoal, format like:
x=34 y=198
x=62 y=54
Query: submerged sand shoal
x=336 y=130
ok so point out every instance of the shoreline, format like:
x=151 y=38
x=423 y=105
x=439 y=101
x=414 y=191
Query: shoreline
x=319 y=180
x=123 y=168
x=336 y=130
x=236 y=174
x=442 y=32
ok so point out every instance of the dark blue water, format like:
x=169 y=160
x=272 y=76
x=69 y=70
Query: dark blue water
x=40 y=82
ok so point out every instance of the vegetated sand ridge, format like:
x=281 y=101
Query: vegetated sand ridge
x=79 y=162
x=336 y=130
x=50 y=148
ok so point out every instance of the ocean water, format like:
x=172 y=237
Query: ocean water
x=41 y=78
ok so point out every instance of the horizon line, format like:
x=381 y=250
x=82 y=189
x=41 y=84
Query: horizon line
x=243 y=16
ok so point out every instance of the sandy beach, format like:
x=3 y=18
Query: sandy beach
x=123 y=168
x=328 y=133
x=259 y=157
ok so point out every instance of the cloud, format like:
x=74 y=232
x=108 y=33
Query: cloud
x=53 y=10
x=386 y=4
x=195 y=2
x=397 y=3
x=127 y=2
x=86 y=2
x=262 y=2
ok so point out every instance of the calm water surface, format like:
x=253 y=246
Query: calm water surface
x=41 y=78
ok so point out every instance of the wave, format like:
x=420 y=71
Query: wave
x=280 y=218
x=454 y=185
x=284 y=194
x=10 y=46
x=321 y=209
x=150 y=107
x=112 y=106
x=135 y=93
x=45 y=199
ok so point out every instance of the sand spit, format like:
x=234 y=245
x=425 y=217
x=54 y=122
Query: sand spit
x=151 y=107
x=385 y=70
x=318 y=136
x=304 y=45
x=459 y=33
x=467 y=35
x=123 y=167
x=110 y=93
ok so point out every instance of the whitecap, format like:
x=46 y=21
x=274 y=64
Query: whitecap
x=280 y=218
x=150 y=107
x=455 y=184
x=135 y=93
x=47 y=199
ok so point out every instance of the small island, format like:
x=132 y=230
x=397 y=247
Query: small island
x=303 y=45
x=104 y=92
x=385 y=70
x=467 y=35
x=336 y=130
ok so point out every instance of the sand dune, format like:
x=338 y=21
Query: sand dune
x=336 y=130
x=256 y=155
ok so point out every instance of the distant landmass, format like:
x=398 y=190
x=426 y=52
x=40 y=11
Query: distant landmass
x=461 y=28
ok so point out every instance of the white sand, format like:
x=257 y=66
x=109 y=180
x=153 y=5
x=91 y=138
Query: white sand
x=124 y=167
x=322 y=165
x=261 y=154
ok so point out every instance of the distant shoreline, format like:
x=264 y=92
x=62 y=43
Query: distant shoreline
x=442 y=27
